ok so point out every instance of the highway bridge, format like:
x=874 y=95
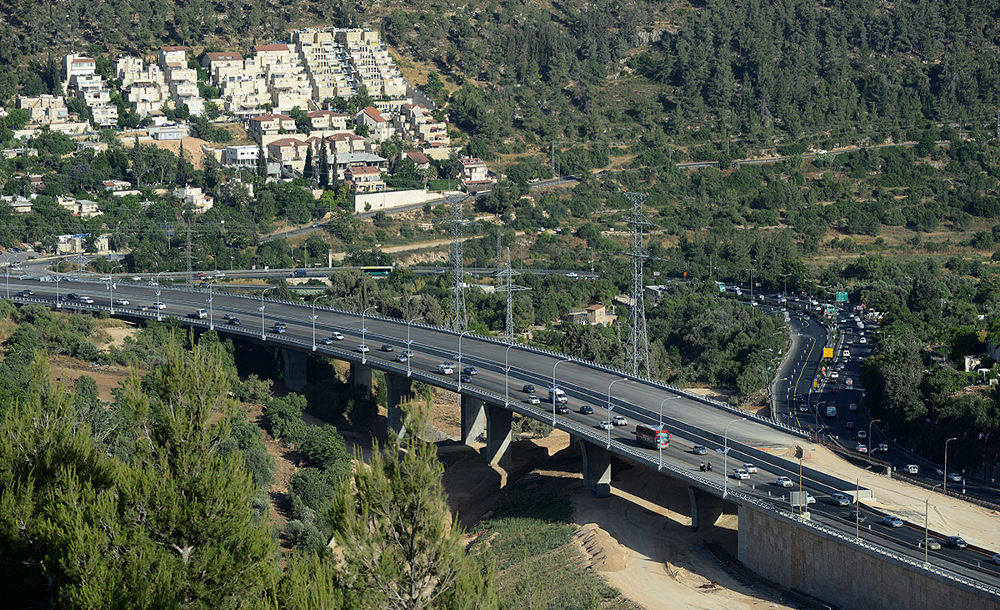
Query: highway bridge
x=816 y=552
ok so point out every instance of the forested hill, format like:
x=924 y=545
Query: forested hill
x=609 y=70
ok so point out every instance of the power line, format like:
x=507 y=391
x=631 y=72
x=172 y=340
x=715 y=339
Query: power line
x=638 y=341
x=510 y=288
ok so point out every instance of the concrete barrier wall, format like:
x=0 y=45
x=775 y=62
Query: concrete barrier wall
x=845 y=575
x=387 y=200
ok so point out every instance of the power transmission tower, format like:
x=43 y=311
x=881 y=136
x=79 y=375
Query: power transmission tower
x=459 y=322
x=638 y=340
x=510 y=288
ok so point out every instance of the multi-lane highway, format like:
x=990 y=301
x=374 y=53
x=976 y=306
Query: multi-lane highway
x=691 y=420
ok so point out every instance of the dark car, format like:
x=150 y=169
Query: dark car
x=465 y=378
x=470 y=370
x=562 y=409
x=530 y=389
x=233 y=321
x=853 y=516
x=587 y=409
x=72 y=296
x=25 y=293
x=386 y=347
x=228 y=316
x=956 y=542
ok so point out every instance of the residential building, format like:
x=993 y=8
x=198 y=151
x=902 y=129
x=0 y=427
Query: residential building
x=271 y=124
x=84 y=208
x=365 y=179
x=44 y=109
x=346 y=143
x=594 y=315
x=273 y=54
x=172 y=57
x=116 y=185
x=240 y=156
x=192 y=196
x=289 y=152
x=341 y=162
x=75 y=66
x=327 y=120
x=222 y=65
x=19 y=204
x=419 y=159
x=168 y=132
x=379 y=128
x=475 y=175
x=76 y=244
x=415 y=123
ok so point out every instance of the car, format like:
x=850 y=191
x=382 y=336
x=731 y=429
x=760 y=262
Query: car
x=122 y=302
x=846 y=353
x=337 y=336
x=386 y=347
x=840 y=499
x=750 y=468
x=956 y=542
x=912 y=469
x=152 y=283
x=220 y=275
x=835 y=375
x=849 y=341
x=159 y=306
x=883 y=447
x=561 y=409
x=280 y=329
x=401 y=357
x=619 y=420
x=862 y=435
x=199 y=275
x=72 y=296
x=282 y=324
x=839 y=366
x=465 y=378
x=892 y=521
x=234 y=321
x=204 y=285
x=143 y=308
x=699 y=450
x=586 y=409
x=573 y=274
x=803 y=408
x=25 y=293
x=783 y=482
x=810 y=499
x=605 y=425
x=852 y=407
x=470 y=370
x=228 y=316
x=533 y=399
x=849 y=425
x=855 y=516
x=326 y=340
x=362 y=349
x=87 y=300
x=955 y=477
x=530 y=389
x=862 y=341
x=740 y=474
x=105 y=278
x=933 y=544
x=444 y=369
x=996 y=559
x=861 y=448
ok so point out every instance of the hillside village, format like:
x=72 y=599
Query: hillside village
x=330 y=105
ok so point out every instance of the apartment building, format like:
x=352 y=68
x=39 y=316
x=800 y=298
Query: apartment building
x=475 y=175
x=327 y=120
x=83 y=81
x=44 y=109
x=172 y=57
x=365 y=179
x=193 y=196
x=75 y=66
x=415 y=123
x=289 y=152
x=267 y=127
x=222 y=65
x=240 y=156
x=379 y=127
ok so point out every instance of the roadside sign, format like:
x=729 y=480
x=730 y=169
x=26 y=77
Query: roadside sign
x=828 y=352
x=841 y=297
x=831 y=310
x=799 y=499
x=722 y=287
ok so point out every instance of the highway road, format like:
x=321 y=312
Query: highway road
x=690 y=420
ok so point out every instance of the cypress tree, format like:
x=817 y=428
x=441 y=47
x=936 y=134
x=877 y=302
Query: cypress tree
x=324 y=165
x=261 y=162
x=307 y=171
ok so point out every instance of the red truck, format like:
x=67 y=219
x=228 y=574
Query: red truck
x=657 y=438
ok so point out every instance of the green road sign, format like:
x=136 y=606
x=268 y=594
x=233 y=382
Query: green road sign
x=841 y=297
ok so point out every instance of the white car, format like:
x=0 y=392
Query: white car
x=912 y=469
x=444 y=369
x=362 y=349
x=861 y=448
x=605 y=425
x=862 y=435
x=783 y=482
x=159 y=305
x=326 y=340
x=846 y=353
x=741 y=474
x=87 y=300
x=619 y=420
x=892 y=521
x=572 y=274
x=337 y=336
x=835 y=375
x=121 y=302
x=852 y=407
x=136 y=278
x=862 y=340
x=750 y=468
x=533 y=399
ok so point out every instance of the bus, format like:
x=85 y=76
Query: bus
x=376 y=270
x=657 y=438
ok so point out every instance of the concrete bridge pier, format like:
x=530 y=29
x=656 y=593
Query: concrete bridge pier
x=498 y=435
x=295 y=369
x=705 y=508
x=361 y=375
x=473 y=419
x=596 y=469
x=398 y=390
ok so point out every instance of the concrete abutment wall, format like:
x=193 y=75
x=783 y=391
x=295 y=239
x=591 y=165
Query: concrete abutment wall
x=596 y=469
x=295 y=369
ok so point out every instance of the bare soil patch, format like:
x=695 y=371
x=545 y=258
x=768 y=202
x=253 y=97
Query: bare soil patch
x=66 y=370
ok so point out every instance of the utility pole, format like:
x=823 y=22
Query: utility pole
x=190 y=277
x=553 y=147
x=508 y=274
x=459 y=322
x=638 y=346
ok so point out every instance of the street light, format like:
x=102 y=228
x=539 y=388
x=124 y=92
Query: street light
x=363 y=331
x=58 y=279
x=409 y=343
x=506 y=377
x=211 y=310
x=111 y=287
x=725 y=456
x=660 y=427
x=870 y=424
x=554 y=388
x=263 y=335
x=944 y=482
x=927 y=508
x=157 y=282
x=7 y=270
x=610 y=385
x=462 y=334
x=313 y=318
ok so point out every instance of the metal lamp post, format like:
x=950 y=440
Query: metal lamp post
x=927 y=508
x=58 y=279
x=263 y=334
x=725 y=456
x=944 y=482
x=111 y=287
x=554 y=388
x=462 y=334
x=506 y=377
x=409 y=343
x=7 y=273
x=157 y=282
x=870 y=424
x=660 y=427
x=364 y=358
x=211 y=309
x=313 y=318
x=610 y=385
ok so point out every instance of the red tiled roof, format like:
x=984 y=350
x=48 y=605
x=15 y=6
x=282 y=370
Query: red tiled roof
x=365 y=170
x=418 y=157
x=374 y=114
x=168 y=49
x=271 y=47
x=343 y=136
x=319 y=113
x=82 y=60
x=224 y=56
x=271 y=117
x=282 y=142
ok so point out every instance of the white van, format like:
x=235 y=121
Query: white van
x=560 y=396
x=201 y=314
x=445 y=369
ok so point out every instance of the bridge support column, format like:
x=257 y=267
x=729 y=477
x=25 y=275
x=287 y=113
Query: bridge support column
x=295 y=369
x=361 y=375
x=596 y=469
x=498 y=435
x=473 y=419
x=398 y=390
x=705 y=508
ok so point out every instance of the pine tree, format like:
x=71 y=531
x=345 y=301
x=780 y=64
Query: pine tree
x=137 y=168
x=182 y=175
x=307 y=171
x=400 y=547
x=324 y=165
x=261 y=162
